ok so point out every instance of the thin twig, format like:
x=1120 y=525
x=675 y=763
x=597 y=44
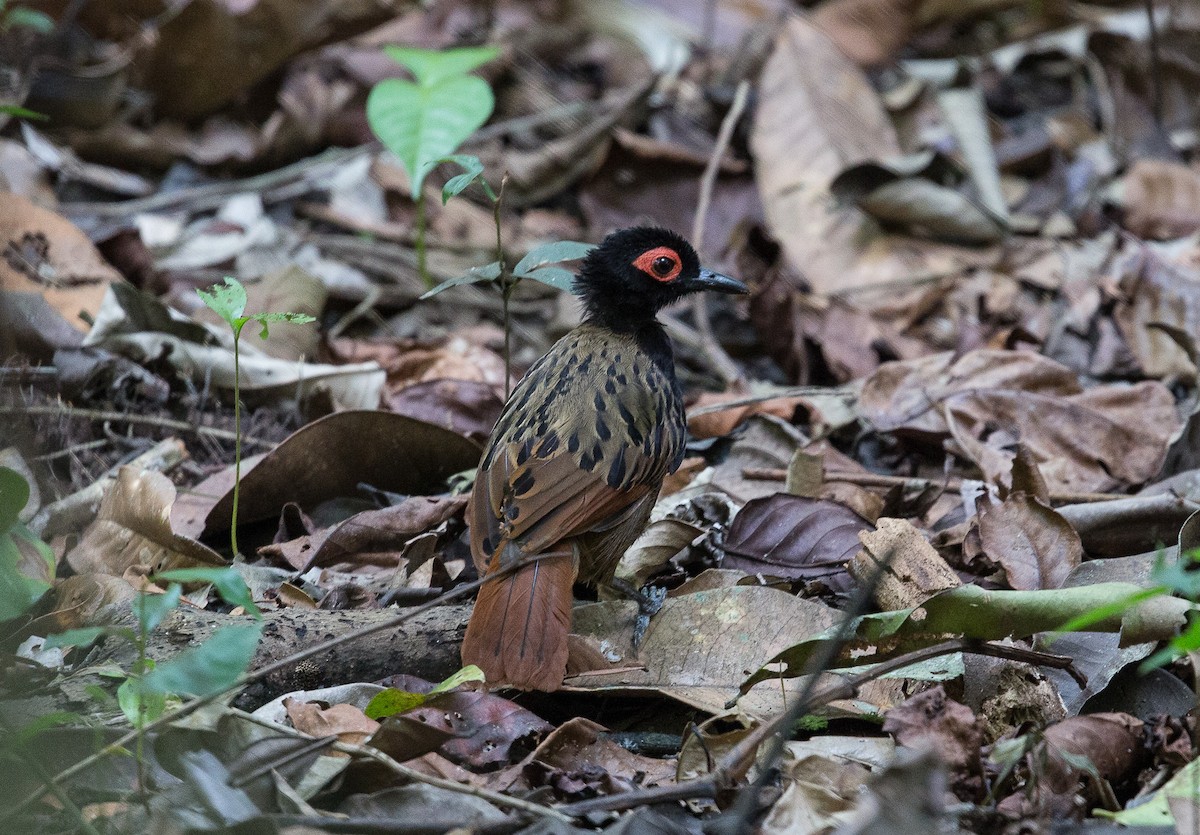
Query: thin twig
x=212 y=195
x=844 y=392
x=127 y=417
x=708 y=785
x=950 y=485
x=389 y=762
x=1155 y=66
x=720 y=361
x=251 y=677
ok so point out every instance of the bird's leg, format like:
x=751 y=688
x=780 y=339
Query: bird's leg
x=649 y=601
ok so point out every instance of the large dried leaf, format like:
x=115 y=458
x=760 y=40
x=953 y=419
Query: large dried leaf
x=988 y=401
x=816 y=115
x=1162 y=199
x=133 y=531
x=1036 y=546
x=698 y=645
x=330 y=457
x=1154 y=292
x=795 y=538
x=45 y=254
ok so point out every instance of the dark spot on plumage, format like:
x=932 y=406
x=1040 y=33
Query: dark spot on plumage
x=622 y=380
x=523 y=483
x=543 y=427
x=635 y=434
x=637 y=370
x=617 y=358
x=525 y=451
x=616 y=472
x=487 y=544
x=658 y=437
x=597 y=453
x=602 y=429
x=573 y=443
x=550 y=444
x=603 y=353
x=610 y=386
x=599 y=402
x=586 y=462
x=511 y=512
x=585 y=365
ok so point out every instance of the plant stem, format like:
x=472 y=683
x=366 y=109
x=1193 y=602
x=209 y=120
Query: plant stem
x=421 y=270
x=140 y=672
x=506 y=287
x=237 y=438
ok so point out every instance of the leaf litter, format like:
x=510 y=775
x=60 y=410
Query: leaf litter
x=965 y=417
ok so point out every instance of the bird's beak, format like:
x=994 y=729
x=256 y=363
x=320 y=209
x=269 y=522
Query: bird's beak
x=709 y=280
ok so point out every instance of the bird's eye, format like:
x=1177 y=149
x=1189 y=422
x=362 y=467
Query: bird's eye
x=661 y=263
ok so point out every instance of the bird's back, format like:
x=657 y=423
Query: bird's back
x=591 y=431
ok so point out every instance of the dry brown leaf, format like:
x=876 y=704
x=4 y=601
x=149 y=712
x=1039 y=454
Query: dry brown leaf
x=1035 y=545
x=868 y=32
x=347 y=722
x=1154 y=291
x=132 y=531
x=913 y=570
x=1162 y=199
x=45 y=254
x=816 y=115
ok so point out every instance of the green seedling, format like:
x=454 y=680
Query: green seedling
x=26 y=563
x=229 y=302
x=424 y=121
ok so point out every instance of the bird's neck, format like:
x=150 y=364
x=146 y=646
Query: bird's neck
x=644 y=328
x=631 y=319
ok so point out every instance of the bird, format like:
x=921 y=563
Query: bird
x=575 y=462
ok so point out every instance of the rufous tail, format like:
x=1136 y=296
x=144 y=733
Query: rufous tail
x=518 y=630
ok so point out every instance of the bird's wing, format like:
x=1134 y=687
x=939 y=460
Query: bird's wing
x=582 y=439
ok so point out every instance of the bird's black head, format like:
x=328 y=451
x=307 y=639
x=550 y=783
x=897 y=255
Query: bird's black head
x=636 y=272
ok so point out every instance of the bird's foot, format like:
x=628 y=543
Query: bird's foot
x=649 y=601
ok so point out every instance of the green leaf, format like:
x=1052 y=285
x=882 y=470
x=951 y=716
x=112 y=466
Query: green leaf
x=432 y=66
x=39 y=22
x=85 y=636
x=475 y=275
x=14 y=495
x=556 y=277
x=392 y=701
x=472 y=168
x=227 y=582
x=22 y=112
x=152 y=608
x=227 y=300
x=25 y=572
x=140 y=706
x=552 y=253
x=294 y=318
x=49 y=720
x=423 y=124
x=209 y=668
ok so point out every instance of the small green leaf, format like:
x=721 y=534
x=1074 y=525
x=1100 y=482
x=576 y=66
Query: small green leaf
x=36 y=21
x=227 y=582
x=152 y=608
x=140 y=706
x=552 y=253
x=49 y=720
x=423 y=124
x=227 y=300
x=22 y=112
x=26 y=569
x=392 y=701
x=556 y=277
x=472 y=168
x=430 y=66
x=14 y=495
x=209 y=668
x=294 y=318
x=475 y=275
x=85 y=636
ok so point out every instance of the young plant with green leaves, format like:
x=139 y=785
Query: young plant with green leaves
x=26 y=563
x=228 y=301
x=424 y=121
x=150 y=688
